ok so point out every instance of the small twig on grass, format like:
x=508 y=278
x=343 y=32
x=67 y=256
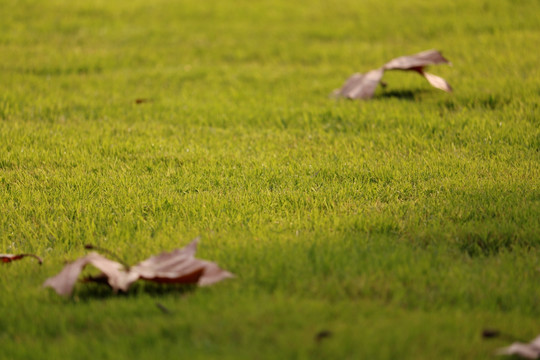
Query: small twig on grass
x=162 y=307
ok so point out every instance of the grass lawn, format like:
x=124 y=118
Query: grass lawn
x=401 y=226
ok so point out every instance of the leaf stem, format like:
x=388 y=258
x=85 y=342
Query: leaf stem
x=40 y=260
x=109 y=252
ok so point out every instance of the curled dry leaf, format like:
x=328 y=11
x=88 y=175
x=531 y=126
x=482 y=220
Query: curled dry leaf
x=524 y=351
x=176 y=267
x=64 y=282
x=362 y=86
x=7 y=258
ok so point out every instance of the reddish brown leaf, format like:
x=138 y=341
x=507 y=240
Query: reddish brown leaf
x=7 y=258
x=360 y=86
x=524 y=351
x=178 y=266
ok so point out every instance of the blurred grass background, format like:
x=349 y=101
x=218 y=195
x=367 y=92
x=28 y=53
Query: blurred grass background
x=402 y=225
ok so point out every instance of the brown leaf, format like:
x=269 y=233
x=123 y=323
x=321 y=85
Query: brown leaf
x=437 y=81
x=7 y=258
x=360 y=86
x=64 y=282
x=416 y=61
x=525 y=351
x=178 y=266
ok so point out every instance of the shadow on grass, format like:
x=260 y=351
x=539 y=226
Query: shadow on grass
x=93 y=290
x=410 y=94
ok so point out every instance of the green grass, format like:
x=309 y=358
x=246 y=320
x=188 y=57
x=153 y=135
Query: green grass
x=403 y=225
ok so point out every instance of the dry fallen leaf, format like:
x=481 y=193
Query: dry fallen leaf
x=362 y=86
x=178 y=266
x=525 y=351
x=142 y=100
x=7 y=258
